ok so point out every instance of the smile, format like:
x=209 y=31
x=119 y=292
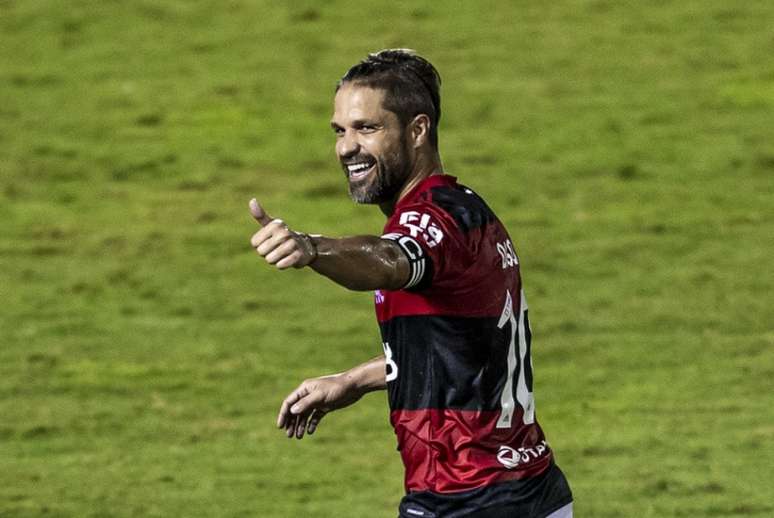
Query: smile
x=360 y=170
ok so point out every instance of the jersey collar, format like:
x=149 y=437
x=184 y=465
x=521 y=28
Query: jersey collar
x=428 y=183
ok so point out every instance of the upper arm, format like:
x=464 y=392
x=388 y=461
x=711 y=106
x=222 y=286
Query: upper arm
x=432 y=242
x=399 y=266
x=362 y=263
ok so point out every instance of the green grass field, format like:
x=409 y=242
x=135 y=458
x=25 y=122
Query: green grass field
x=144 y=349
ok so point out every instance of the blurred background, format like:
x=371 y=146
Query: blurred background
x=144 y=349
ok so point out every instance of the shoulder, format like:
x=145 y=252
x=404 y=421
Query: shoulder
x=468 y=210
x=441 y=211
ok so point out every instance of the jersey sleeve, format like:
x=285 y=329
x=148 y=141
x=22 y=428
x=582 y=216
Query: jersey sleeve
x=432 y=242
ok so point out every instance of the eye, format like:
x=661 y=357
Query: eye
x=366 y=128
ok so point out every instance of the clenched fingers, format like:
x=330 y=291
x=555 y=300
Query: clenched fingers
x=275 y=228
x=294 y=260
x=279 y=245
x=283 y=250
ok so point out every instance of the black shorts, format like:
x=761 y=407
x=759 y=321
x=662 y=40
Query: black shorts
x=535 y=497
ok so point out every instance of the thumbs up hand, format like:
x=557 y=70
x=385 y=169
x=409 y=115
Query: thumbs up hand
x=258 y=213
x=279 y=245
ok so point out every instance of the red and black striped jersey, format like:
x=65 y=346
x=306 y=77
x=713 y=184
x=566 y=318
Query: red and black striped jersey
x=457 y=345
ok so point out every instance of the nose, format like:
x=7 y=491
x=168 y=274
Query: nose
x=347 y=146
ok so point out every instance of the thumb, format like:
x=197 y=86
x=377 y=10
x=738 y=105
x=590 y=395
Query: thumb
x=258 y=213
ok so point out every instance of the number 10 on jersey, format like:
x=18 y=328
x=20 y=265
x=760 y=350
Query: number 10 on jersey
x=519 y=364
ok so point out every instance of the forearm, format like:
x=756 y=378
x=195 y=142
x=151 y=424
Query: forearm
x=361 y=263
x=367 y=377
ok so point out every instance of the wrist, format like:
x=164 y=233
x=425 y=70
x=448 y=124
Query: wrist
x=352 y=382
x=310 y=247
x=367 y=377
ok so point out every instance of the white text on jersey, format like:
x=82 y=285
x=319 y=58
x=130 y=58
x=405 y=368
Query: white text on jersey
x=419 y=225
x=505 y=249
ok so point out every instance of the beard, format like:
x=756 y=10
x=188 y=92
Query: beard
x=386 y=181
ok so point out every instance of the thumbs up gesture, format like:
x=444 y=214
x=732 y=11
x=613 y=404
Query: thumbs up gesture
x=279 y=245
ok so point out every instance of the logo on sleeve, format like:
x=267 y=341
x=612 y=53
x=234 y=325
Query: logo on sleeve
x=419 y=225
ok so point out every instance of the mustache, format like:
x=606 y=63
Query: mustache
x=357 y=159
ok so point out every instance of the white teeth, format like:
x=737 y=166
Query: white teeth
x=358 y=168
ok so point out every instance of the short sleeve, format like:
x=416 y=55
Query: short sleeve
x=432 y=242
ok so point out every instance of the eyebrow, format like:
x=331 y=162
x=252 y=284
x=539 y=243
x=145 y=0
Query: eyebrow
x=358 y=123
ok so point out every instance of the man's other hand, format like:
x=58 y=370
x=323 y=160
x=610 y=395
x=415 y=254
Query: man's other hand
x=303 y=409
x=279 y=245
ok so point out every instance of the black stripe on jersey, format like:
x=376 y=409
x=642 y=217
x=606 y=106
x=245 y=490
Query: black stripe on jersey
x=447 y=362
x=535 y=496
x=467 y=208
x=420 y=266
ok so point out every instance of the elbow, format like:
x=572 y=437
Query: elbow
x=388 y=270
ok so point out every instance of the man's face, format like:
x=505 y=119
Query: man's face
x=370 y=144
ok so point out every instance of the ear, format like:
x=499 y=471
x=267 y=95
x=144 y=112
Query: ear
x=419 y=130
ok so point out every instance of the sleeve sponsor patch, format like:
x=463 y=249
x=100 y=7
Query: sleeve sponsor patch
x=418 y=261
x=420 y=225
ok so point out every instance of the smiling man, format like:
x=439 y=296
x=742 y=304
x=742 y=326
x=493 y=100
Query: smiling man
x=449 y=303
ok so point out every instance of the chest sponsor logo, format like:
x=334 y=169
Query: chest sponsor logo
x=511 y=458
x=419 y=225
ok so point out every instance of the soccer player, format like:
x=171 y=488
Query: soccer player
x=449 y=302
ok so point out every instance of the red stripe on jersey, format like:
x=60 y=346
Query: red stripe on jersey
x=447 y=451
x=469 y=273
x=468 y=301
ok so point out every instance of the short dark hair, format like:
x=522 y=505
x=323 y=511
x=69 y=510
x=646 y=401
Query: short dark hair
x=410 y=82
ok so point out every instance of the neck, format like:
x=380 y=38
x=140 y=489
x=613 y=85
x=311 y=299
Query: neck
x=425 y=166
